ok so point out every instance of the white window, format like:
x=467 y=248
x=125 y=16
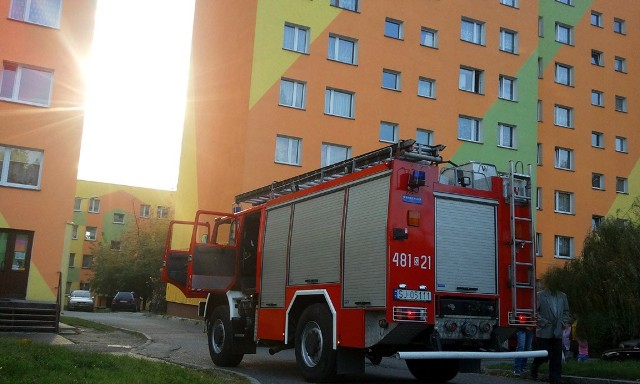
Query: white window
x=342 y=49
x=596 y=220
x=508 y=41
x=596 y=19
x=564 y=247
x=145 y=211
x=564 y=202
x=469 y=129
x=620 y=64
x=622 y=185
x=424 y=136
x=539 y=198
x=90 y=233
x=116 y=245
x=429 y=37
x=20 y=167
x=162 y=212
x=94 y=205
x=621 y=144
x=338 y=103
x=292 y=93
x=597 y=58
x=333 y=153
x=538 y=244
x=288 y=150
x=597 y=139
x=507 y=136
x=619 y=26
x=26 y=85
x=564 y=34
x=540 y=68
x=564 y=74
x=393 y=28
x=621 y=104
x=77 y=202
x=351 y=5
x=390 y=79
x=563 y=116
x=72 y=260
x=507 y=88
x=118 y=218
x=87 y=262
x=540 y=26
x=539 y=154
x=388 y=132
x=39 y=12
x=597 y=181
x=427 y=87
x=472 y=31
x=568 y=2
x=510 y=3
x=539 y=110
x=564 y=158
x=597 y=98
x=74 y=232
x=296 y=38
x=471 y=80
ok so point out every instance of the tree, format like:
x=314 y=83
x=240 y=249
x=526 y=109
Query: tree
x=136 y=265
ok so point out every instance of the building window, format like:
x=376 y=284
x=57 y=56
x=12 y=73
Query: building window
x=622 y=185
x=145 y=211
x=393 y=28
x=338 y=103
x=472 y=31
x=116 y=245
x=621 y=104
x=597 y=58
x=45 y=13
x=539 y=154
x=567 y=2
x=539 y=110
x=91 y=234
x=20 y=167
x=564 y=247
x=538 y=244
x=333 y=153
x=94 y=205
x=350 y=5
x=507 y=137
x=342 y=49
x=471 y=80
x=597 y=181
x=469 y=129
x=540 y=26
x=424 y=136
x=563 y=116
x=596 y=19
x=85 y=286
x=162 y=212
x=564 y=158
x=539 y=198
x=26 y=85
x=429 y=37
x=507 y=88
x=390 y=79
x=74 y=232
x=596 y=220
x=288 y=150
x=620 y=64
x=87 y=261
x=388 y=132
x=296 y=38
x=564 y=34
x=597 y=139
x=77 y=204
x=510 y=3
x=597 y=98
x=72 y=260
x=540 y=68
x=564 y=202
x=619 y=26
x=621 y=144
x=292 y=93
x=427 y=87
x=508 y=41
x=118 y=218
x=564 y=74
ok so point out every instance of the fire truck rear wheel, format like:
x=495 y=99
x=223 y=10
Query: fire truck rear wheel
x=433 y=371
x=315 y=355
x=220 y=336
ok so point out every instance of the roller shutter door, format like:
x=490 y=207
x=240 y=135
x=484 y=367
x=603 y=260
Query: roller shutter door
x=274 y=256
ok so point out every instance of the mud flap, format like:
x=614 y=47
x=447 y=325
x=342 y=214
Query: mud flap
x=350 y=361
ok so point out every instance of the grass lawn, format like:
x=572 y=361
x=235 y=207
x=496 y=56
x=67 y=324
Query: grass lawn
x=622 y=370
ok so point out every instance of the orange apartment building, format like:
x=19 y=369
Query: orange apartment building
x=302 y=84
x=43 y=48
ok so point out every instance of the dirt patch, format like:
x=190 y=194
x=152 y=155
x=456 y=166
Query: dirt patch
x=87 y=339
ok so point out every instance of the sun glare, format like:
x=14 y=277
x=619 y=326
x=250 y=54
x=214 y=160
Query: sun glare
x=137 y=84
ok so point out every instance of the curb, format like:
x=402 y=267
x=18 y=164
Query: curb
x=566 y=379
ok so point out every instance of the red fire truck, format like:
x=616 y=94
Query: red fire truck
x=394 y=253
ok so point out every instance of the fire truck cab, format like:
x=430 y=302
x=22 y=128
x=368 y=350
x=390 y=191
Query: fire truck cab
x=387 y=254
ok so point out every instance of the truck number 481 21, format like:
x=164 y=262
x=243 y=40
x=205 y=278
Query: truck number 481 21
x=406 y=260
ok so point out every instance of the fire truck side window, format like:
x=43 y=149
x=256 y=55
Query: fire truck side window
x=249 y=249
x=225 y=233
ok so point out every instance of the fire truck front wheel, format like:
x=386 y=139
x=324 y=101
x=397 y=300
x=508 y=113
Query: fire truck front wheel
x=433 y=371
x=220 y=336
x=315 y=355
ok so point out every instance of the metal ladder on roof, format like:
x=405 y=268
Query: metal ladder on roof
x=523 y=271
x=405 y=149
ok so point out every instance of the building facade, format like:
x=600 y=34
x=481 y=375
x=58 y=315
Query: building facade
x=302 y=84
x=44 y=46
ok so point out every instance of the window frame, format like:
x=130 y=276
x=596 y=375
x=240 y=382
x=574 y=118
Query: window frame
x=118 y=218
x=597 y=58
x=297 y=87
x=599 y=98
x=27 y=13
x=513 y=136
x=539 y=153
x=291 y=141
x=428 y=133
x=619 y=26
x=395 y=132
x=340 y=4
x=325 y=154
x=597 y=139
x=557 y=247
x=335 y=41
x=513 y=49
x=296 y=29
x=94 y=205
x=20 y=174
x=622 y=185
x=569 y=34
x=162 y=212
x=400 y=28
x=145 y=211
x=395 y=76
x=432 y=87
x=424 y=31
x=329 y=98
x=538 y=244
x=560 y=154
x=539 y=198
x=596 y=220
x=621 y=103
x=566 y=2
x=621 y=144
x=510 y=3
x=476 y=129
x=569 y=116
x=502 y=79
x=597 y=181
x=15 y=83
x=570 y=75
x=620 y=64
x=476 y=81
x=479 y=31
x=91 y=234
x=559 y=197
x=598 y=19
x=87 y=261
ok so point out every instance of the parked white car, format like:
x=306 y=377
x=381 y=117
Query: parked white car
x=80 y=300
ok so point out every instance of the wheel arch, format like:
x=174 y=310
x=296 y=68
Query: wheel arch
x=215 y=299
x=303 y=299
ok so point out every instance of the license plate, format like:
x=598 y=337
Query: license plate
x=411 y=295
x=123 y=301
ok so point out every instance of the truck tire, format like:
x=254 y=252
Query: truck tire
x=433 y=371
x=220 y=337
x=315 y=355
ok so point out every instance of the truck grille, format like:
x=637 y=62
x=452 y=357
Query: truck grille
x=409 y=314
